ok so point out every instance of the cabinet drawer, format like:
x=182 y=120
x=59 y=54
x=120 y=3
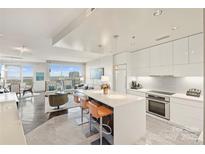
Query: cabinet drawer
x=186 y=113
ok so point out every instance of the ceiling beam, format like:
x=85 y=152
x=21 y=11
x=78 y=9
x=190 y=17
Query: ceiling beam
x=73 y=25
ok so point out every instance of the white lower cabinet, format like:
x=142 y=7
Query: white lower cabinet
x=187 y=113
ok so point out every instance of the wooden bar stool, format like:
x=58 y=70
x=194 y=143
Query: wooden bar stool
x=99 y=112
x=90 y=115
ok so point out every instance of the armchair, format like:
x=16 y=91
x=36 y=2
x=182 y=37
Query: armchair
x=57 y=100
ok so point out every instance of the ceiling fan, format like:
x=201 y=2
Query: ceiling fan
x=22 y=50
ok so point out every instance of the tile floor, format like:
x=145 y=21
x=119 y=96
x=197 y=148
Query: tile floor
x=60 y=127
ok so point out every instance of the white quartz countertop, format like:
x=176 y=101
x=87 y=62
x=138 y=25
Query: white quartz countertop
x=113 y=99
x=176 y=95
x=140 y=90
x=11 y=130
x=184 y=96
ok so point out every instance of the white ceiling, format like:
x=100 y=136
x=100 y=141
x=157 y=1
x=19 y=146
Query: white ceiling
x=35 y=28
x=100 y=27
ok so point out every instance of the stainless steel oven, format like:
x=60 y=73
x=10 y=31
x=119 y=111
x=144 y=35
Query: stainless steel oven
x=158 y=105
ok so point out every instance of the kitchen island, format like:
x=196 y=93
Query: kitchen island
x=129 y=115
x=11 y=130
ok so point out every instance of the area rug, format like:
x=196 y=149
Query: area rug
x=59 y=130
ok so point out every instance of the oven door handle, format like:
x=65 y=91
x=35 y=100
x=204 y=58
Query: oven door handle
x=150 y=99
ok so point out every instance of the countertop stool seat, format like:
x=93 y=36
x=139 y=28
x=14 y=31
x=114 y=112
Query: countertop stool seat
x=76 y=98
x=99 y=111
x=84 y=104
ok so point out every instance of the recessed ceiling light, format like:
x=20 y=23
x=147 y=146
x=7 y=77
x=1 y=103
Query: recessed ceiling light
x=174 y=28
x=116 y=36
x=22 y=49
x=158 y=12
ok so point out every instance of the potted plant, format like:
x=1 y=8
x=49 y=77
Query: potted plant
x=105 y=87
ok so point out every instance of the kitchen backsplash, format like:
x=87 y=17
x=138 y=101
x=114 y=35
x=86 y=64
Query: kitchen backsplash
x=169 y=83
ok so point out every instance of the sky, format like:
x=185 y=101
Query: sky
x=58 y=69
x=14 y=71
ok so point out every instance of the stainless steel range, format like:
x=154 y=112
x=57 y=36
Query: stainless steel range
x=158 y=103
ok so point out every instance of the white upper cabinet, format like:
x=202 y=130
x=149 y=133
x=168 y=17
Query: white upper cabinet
x=141 y=58
x=196 y=48
x=166 y=54
x=188 y=56
x=161 y=55
x=140 y=62
x=155 y=56
x=188 y=70
x=161 y=59
x=183 y=57
x=181 y=51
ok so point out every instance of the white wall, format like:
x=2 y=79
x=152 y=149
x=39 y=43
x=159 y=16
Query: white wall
x=106 y=63
x=168 y=83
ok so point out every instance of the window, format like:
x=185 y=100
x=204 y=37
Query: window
x=19 y=73
x=0 y=71
x=13 y=73
x=27 y=74
x=55 y=71
x=66 y=72
x=71 y=71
